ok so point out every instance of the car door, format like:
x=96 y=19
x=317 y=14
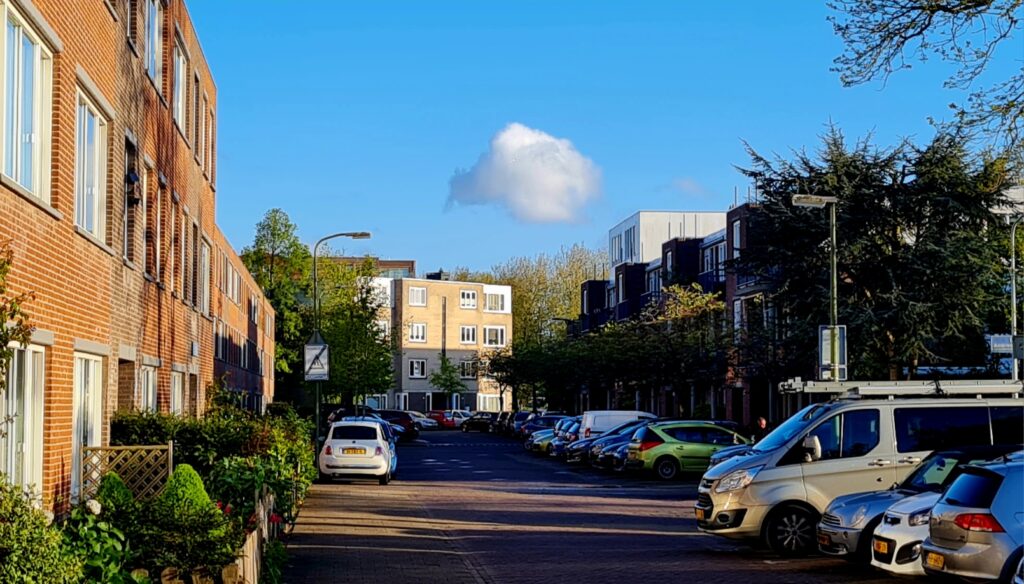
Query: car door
x=856 y=455
x=712 y=439
x=687 y=446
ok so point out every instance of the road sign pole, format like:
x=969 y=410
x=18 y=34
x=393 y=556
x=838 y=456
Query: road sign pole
x=1013 y=294
x=834 y=300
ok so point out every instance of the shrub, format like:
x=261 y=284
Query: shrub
x=102 y=548
x=117 y=500
x=30 y=550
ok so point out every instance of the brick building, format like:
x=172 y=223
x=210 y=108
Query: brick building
x=108 y=174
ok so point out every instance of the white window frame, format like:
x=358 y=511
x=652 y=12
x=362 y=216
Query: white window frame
x=37 y=180
x=467 y=339
x=467 y=299
x=417 y=369
x=487 y=302
x=467 y=369
x=91 y=198
x=417 y=296
x=501 y=334
x=148 y=389
x=204 y=276
x=736 y=239
x=154 y=46
x=383 y=329
x=418 y=332
x=86 y=412
x=177 y=393
x=22 y=461
x=180 y=90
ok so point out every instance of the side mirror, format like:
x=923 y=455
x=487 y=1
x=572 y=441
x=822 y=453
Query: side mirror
x=812 y=446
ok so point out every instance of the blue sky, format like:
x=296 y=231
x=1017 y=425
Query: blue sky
x=355 y=116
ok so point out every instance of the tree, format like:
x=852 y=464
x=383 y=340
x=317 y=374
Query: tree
x=883 y=36
x=446 y=378
x=919 y=252
x=280 y=264
x=18 y=331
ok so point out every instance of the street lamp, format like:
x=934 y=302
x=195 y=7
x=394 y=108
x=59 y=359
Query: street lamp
x=317 y=339
x=818 y=201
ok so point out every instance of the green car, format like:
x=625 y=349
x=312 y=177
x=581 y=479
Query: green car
x=669 y=448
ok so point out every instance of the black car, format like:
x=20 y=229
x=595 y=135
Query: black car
x=501 y=426
x=544 y=422
x=602 y=448
x=579 y=451
x=480 y=421
x=403 y=419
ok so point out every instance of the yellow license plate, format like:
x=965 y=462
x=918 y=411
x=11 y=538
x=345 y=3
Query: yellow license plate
x=353 y=451
x=824 y=539
x=881 y=547
x=934 y=560
x=699 y=513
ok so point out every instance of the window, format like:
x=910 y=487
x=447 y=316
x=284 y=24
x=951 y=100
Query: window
x=417 y=296
x=193 y=265
x=172 y=254
x=584 y=296
x=154 y=41
x=736 y=239
x=467 y=335
x=180 y=85
x=467 y=299
x=417 y=368
x=201 y=147
x=383 y=329
x=738 y=316
x=494 y=336
x=132 y=198
x=212 y=149
x=848 y=435
x=354 y=433
x=254 y=309
x=418 y=332
x=709 y=262
x=129 y=19
x=467 y=369
x=204 y=279
x=177 y=392
x=936 y=428
x=195 y=114
x=27 y=87
x=1007 y=422
x=149 y=225
x=90 y=170
x=716 y=436
x=87 y=413
x=208 y=120
x=146 y=398
x=21 y=418
x=495 y=302
x=620 y=288
x=668 y=264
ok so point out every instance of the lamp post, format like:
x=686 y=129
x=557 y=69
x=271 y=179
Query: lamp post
x=818 y=201
x=1013 y=294
x=317 y=339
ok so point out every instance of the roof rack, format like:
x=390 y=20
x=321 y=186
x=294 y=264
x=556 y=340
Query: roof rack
x=920 y=388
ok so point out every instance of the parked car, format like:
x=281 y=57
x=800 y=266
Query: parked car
x=531 y=443
x=850 y=444
x=459 y=416
x=601 y=449
x=569 y=434
x=670 y=448
x=539 y=423
x=976 y=529
x=726 y=453
x=501 y=425
x=850 y=521
x=516 y=424
x=444 y=419
x=617 y=456
x=407 y=422
x=579 y=451
x=422 y=422
x=480 y=421
x=359 y=447
x=597 y=422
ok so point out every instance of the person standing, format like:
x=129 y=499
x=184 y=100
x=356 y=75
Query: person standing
x=760 y=430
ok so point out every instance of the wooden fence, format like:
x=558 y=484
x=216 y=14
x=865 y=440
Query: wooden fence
x=144 y=469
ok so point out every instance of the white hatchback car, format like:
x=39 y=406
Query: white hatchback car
x=896 y=545
x=359 y=447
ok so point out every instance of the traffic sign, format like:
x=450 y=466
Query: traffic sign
x=1000 y=344
x=317 y=362
x=825 y=353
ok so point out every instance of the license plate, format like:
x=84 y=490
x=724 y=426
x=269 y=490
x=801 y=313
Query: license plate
x=881 y=547
x=353 y=451
x=699 y=513
x=934 y=560
x=824 y=540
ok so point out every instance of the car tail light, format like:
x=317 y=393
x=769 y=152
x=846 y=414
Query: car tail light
x=978 y=522
x=328 y=451
x=378 y=452
x=586 y=433
x=649 y=444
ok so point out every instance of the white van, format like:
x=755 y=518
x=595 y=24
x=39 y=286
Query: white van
x=867 y=440
x=598 y=422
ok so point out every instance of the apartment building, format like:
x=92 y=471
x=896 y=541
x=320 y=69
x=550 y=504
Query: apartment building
x=393 y=269
x=107 y=196
x=464 y=320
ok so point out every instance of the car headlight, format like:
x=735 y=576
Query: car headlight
x=919 y=518
x=858 y=516
x=737 y=480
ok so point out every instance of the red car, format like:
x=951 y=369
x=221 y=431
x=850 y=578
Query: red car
x=443 y=418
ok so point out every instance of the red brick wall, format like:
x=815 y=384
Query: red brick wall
x=83 y=290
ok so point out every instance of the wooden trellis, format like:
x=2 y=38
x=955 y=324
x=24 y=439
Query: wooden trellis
x=144 y=469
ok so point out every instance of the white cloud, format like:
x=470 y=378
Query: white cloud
x=689 y=186
x=539 y=178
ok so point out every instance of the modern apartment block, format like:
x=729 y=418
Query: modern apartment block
x=393 y=269
x=464 y=320
x=108 y=171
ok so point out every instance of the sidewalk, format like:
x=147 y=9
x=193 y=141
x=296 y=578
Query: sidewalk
x=364 y=533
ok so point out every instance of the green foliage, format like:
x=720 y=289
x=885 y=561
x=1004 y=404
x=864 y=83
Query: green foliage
x=274 y=556
x=184 y=492
x=119 y=505
x=14 y=322
x=102 y=547
x=446 y=377
x=31 y=552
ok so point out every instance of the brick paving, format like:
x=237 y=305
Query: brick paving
x=483 y=510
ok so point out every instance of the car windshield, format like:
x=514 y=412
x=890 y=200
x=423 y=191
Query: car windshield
x=796 y=424
x=938 y=471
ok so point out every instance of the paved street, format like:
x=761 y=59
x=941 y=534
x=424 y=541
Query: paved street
x=477 y=508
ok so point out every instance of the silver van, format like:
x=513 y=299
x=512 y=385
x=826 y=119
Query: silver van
x=869 y=438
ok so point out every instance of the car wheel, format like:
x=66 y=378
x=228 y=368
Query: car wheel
x=1013 y=568
x=666 y=468
x=418 y=427
x=790 y=530
x=385 y=478
x=864 y=544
